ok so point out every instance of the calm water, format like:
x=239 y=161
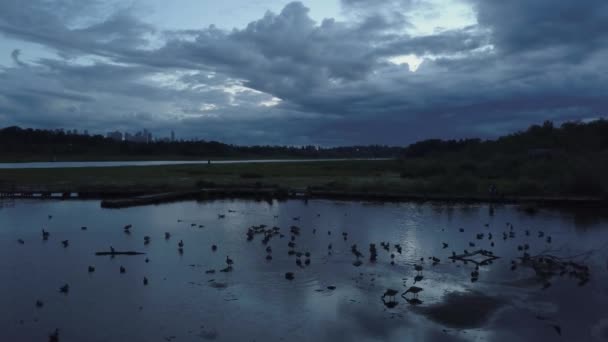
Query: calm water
x=255 y=302
x=51 y=165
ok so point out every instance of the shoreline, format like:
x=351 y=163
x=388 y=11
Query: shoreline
x=132 y=198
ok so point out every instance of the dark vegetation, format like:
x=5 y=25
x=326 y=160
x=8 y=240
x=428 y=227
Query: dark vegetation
x=566 y=161
x=17 y=144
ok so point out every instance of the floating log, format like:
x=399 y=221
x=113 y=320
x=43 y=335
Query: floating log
x=468 y=257
x=119 y=253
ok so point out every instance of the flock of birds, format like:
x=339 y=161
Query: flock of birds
x=545 y=266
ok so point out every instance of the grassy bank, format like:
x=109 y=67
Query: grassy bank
x=564 y=176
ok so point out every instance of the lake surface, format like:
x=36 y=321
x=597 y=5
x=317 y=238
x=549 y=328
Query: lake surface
x=254 y=302
x=51 y=165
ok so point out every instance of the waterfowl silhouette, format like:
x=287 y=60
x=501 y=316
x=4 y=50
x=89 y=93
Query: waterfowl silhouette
x=91 y=269
x=221 y=216
x=145 y=281
x=45 y=235
x=83 y=228
x=214 y=248
x=229 y=261
x=413 y=290
x=64 y=289
x=20 y=241
x=418 y=268
x=268 y=257
x=390 y=293
x=307 y=262
x=146 y=240
x=167 y=235
x=65 y=243
x=180 y=244
x=39 y=303
x=445 y=245
x=299 y=262
x=289 y=276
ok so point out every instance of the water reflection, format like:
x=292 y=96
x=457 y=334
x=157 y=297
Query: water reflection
x=288 y=272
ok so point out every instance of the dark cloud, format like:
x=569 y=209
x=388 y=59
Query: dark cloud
x=288 y=79
x=15 y=57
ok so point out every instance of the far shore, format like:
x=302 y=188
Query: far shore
x=377 y=180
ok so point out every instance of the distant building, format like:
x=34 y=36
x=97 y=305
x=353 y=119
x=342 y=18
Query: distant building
x=86 y=132
x=117 y=135
x=172 y=136
x=139 y=137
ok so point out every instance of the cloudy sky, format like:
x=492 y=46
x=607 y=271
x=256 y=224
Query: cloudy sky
x=327 y=72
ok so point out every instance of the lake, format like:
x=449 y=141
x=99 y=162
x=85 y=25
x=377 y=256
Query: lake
x=52 y=165
x=329 y=299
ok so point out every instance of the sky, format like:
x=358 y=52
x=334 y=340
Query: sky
x=320 y=72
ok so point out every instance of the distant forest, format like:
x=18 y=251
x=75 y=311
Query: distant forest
x=538 y=141
x=20 y=144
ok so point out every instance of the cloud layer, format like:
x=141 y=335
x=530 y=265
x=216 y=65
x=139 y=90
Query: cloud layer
x=286 y=79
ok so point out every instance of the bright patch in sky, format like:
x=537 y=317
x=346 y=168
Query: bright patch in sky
x=441 y=15
x=413 y=62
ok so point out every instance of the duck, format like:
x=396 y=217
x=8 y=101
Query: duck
x=445 y=245
x=414 y=290
x=289 y=276
x=146 y=240
x=20 y=241
x=64 y=289
x=65 y=243
x=268 y=249
x=39 y=303
x=214 y=248
x=145 y=281
x=180 y=244
x=229 y=261
x=91 y=269
x=167 y=235
x=268 y=257
x=418 y=268
x=390 y=293
x=45 y=235
x=122 y=269
x=83 y=228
